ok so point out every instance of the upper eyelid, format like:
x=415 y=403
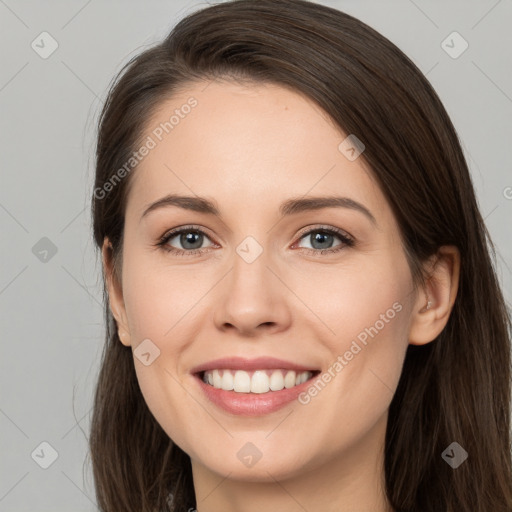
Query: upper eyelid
x=333 y=229
x=171 y=233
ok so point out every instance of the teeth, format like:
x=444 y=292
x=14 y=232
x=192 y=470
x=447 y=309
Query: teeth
x=227 y=382
x=289 y=380
x=217 y=379
x=242 y=382
x=259 y=381
x=276 y=381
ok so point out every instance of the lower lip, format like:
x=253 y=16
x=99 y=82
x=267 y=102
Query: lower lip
x=252 y=404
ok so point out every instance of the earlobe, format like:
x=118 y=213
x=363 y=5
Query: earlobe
x=124 y=337
x=435 y=303
x=115 y=294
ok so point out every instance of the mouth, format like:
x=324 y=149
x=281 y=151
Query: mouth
x=256 y=382
x=252 y=387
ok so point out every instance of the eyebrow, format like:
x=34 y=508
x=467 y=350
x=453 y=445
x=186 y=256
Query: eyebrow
x=289 y=207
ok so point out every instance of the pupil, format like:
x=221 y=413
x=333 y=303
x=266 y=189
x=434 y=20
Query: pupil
x=321 y=238
x=189 y=238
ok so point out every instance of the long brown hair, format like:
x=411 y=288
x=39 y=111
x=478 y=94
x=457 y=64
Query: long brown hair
x=454 y=389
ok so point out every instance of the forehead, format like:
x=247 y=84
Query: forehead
x=248 y=146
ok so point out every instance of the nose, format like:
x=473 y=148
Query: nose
x=252 y=299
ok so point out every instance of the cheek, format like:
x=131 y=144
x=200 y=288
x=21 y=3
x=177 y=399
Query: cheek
x=158 y=298
x=345 y=301
x=159 y=307
x=365 y=312
x=370 y=319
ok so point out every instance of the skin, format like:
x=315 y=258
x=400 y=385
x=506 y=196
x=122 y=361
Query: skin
x=249 y=148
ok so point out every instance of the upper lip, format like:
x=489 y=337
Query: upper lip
x=259 y=363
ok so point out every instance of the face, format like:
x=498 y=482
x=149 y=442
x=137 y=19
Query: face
x=283 y=294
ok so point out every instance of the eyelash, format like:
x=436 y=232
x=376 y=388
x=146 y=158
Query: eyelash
x=345 y=239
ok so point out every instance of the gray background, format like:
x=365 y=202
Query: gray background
x=50 y=304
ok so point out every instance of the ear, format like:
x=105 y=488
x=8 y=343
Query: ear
x=115 y=293
x=440 y=291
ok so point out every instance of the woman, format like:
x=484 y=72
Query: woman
x=366 y=370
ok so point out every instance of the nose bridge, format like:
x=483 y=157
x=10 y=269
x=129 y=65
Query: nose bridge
x=251 y=294
x=250 y=275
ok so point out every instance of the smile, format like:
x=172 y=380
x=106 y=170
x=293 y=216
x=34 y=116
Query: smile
x=258 y=381
x=252 y=387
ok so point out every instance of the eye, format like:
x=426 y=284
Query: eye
x=190 y=238
x=321 y=239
